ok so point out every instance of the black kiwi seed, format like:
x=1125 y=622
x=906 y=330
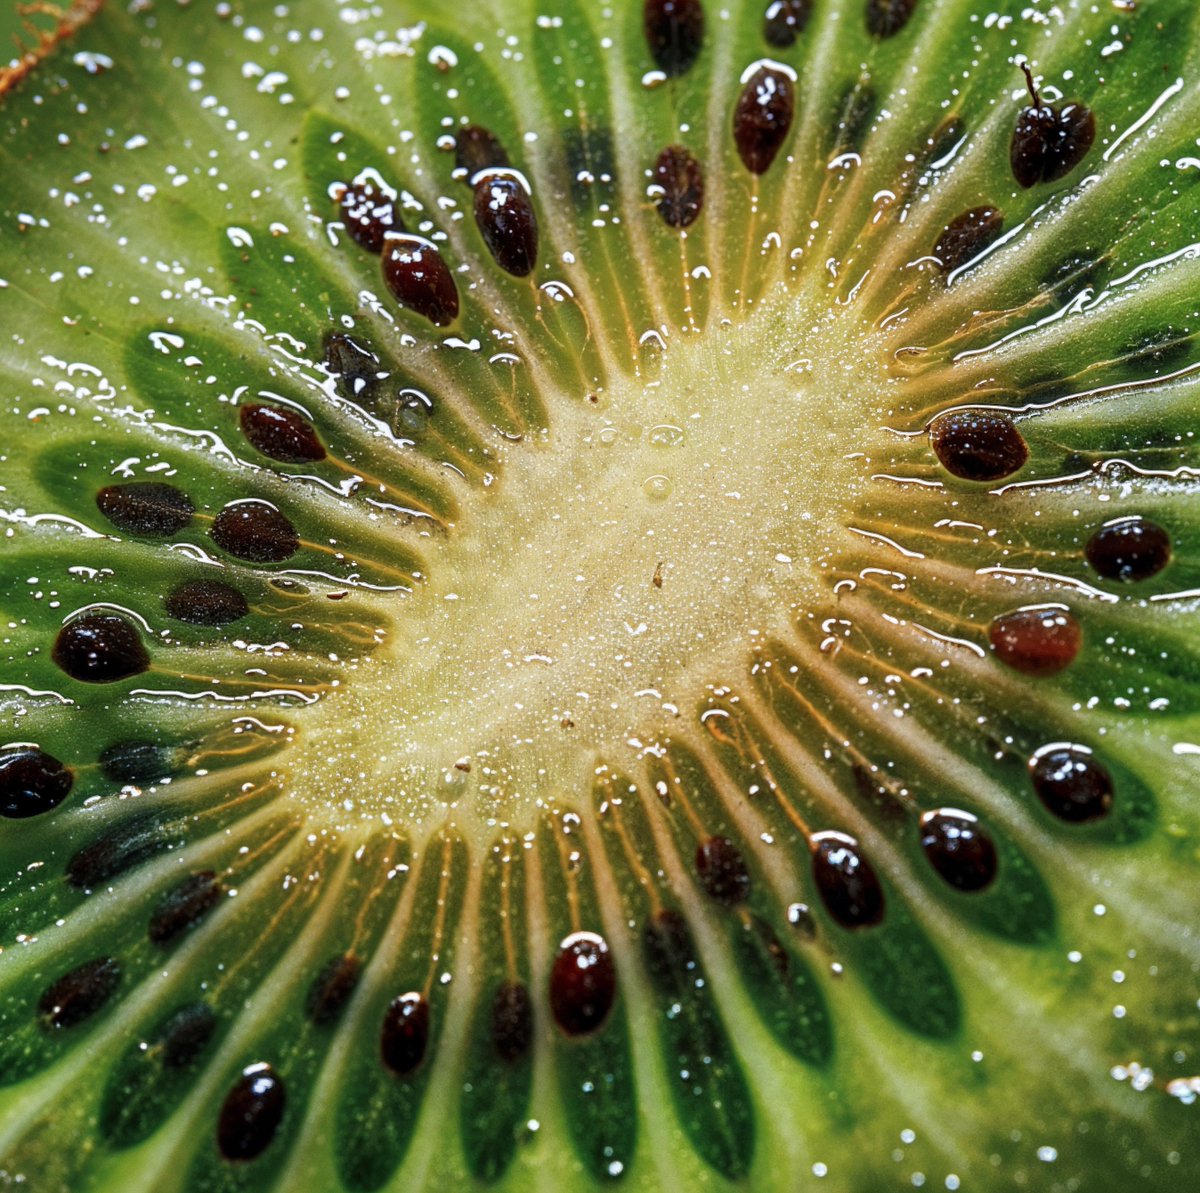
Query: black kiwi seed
x=152 y=508
x=477 y=148
x=186 y=1034
x=332 y=987
x=100 y=648
x=846 y=881
x=78 y=994
x=959 y=849
x=251 y=1113
x=978 y=445
x=255 y=531
x=369 y=210
x=512 y=1021
x=136 y=761
x=1049 y=140
x=506 y=219
x=420 y=279
x=280 y=433
x=681 y=180
x=31 y=782
x=405 y=1034
x=1036 y=641
x=966 y=236
x=205 y=602
x=184 y=906
x=1071 y=784
x=1129 y=550
x=763 y=117
x=785 y=21
x=583 y=983
x=885 y=18
x=356 y=368
x=722 y=870
x=674 y=32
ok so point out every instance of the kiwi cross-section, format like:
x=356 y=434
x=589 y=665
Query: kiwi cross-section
x=600 y=595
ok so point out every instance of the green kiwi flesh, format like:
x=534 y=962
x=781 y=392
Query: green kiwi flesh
x=601 y=596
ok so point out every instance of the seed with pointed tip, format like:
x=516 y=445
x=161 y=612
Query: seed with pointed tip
x=959 y=849
x=369 y=209
x=184 y=906
x=677 y=173
x=1049 y=141
x=31 y=782
x=79 y=994
x=405 y=1035
x=280 y=433
x=477 y=148
x=100 y=648
x=846 y=881
x=722 y=870
x=966 y=236
x=186 y=1035
x=1036 y=641
x=332 y=988
x=420 y=279
x=885 y=18
x=762 y=118
x=1071 y=784
x=152 y=508
x=674 y=32
x=583 y=983
x=506 y=219
x=251 y=1113
x=205 y=602
x=978 y=445
x=1129 y=550
x=255 y=531
x=785 y=21
x=512 y=1021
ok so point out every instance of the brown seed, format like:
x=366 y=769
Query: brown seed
x=966 y=236
x=255 y=531
x=206 y=603
x=405 y=1035
x=978 y=445
x=959 y=849
x=369 y=208
x=1129 y=550
x=79 y=994
x=251 y=1113
x=846 y=881
x=477 y=148
x=1036 y=641
x=583 y=983
x=420 y=279
x=505 y=217
x=678 y=175
x=512 y=1021
x=332 y=988
x=1071 y=784
x=885 y=18
x=1049 y=140
x=722 y=870
x=280 y=433
x=127 y=843
x=31 y=782
x=785 y=21
x=100 y=648
x=151 y=508
x=763 y=117
x=674 y=32
x=184 y=906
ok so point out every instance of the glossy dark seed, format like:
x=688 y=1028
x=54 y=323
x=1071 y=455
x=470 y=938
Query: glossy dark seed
x=184 y=906
x=186 y=1035
x=505 y=217
x=674 y=32
x=512 y=1021
x=722 y=870
x=354 y=367
x=100 y=648
x=845 y=880
x=420 y=279
x=79 y=994
x=137 y=761
x=669 y=950
x=1049 y=140
x=785 y=21
x=205 y=602
x=966 y=236
x=280 y=433
x=583 y=983
x=1036 y=641
x=332 y=988
x=959 y=849
x=978 y=445
x=762 y=118
x=1071 y=784
x=405 y=1035
x=255 y=531
x=251 y=1113
x=369 y=209
x=677 y=173
x=31 y=782
x=151 y=508
x=885 y=18
x=119 y=849
x=1129 y=550
x=477 y=148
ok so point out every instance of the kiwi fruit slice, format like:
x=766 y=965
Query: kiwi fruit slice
x=600 y=595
